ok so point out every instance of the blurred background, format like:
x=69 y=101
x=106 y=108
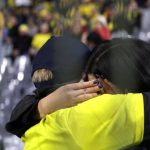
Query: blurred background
x=25 y=25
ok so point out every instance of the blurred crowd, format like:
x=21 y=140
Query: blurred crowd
x=25 y=25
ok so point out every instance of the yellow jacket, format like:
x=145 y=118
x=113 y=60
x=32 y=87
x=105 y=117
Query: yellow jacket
x=107 y=122
x=39 y=40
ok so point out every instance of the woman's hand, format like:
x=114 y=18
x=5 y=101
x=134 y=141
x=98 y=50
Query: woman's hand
x=67 y=96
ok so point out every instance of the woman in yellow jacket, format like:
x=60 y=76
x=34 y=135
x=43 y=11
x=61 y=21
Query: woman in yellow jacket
x=107 y=122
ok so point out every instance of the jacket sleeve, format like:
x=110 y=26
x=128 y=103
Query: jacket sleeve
x=23 y=116
x=114 y=121
x=102 y=123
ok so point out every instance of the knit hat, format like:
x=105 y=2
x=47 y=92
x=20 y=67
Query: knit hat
x=65 y=57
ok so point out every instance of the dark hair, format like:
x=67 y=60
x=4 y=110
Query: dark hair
x=124 y=62
x=95 y=38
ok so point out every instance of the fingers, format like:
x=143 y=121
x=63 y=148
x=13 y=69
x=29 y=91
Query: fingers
x=85 y=94
x=80 y=92
x=83 y=85
x=84 y=97
x=89 y=90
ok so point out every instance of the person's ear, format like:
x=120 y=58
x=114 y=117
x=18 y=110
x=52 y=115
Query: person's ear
x=109 y=87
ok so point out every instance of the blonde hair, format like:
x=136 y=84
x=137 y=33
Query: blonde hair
x=41 y=75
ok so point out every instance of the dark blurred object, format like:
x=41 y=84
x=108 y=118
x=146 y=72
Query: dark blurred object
x=22 y=42
x=144 y=146
x=142 y=3
x=93 y=40
x=1 y=144
x=13 y=29
x=121 y=22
